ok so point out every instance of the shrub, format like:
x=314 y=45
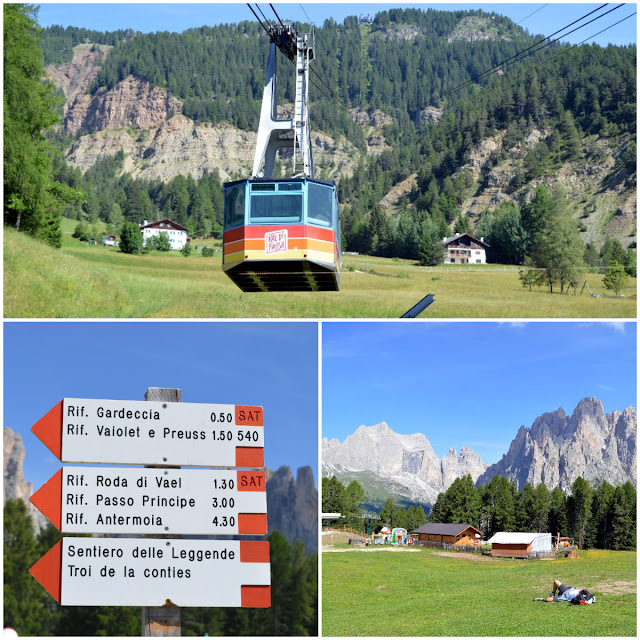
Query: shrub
x=130 y=238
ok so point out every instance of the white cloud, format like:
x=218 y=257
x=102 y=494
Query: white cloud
x=618 y=327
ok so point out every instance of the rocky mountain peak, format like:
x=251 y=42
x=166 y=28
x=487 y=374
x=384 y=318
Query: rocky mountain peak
x=292 y=506
x=14 y=482
x=559 y=448
x=408 y=460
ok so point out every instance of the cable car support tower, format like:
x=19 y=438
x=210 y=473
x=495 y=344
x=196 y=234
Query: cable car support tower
x=274 y=133
x=283 y=234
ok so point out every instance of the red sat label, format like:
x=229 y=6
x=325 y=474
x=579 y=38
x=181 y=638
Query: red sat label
x=248 y=416
x=251 y=481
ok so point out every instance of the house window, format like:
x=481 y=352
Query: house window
x=478 y=261
x=453 y=260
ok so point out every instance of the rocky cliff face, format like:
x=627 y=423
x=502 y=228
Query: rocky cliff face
x=408 y=460
x=75 y=77
x=15 y=485
x=180 y=146
x=557 y=448
x=144 y=122
x=292 y=505
x=134 y=102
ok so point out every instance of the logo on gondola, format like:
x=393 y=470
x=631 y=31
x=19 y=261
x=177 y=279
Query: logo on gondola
x=275 y=241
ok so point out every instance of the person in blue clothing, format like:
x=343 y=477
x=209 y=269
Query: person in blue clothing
x=564 y=593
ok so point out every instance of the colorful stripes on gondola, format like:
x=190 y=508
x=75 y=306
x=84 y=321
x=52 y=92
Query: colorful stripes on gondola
x=279 y=242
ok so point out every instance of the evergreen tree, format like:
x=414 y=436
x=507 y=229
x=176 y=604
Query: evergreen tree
x=498 y=506
x=130 y=238
x=557 y=247
x=438 y=510
x=332 y=495
x=508 y=238
x=463 y=502
x=33 y=200
x=558 y=523
x=579 y=509
x=540 y=508
x=25 y=601
x=432 y=250
x=616 y=278
x=620 y=517
x=388 y=512
x=353 y=498
x=600 y=527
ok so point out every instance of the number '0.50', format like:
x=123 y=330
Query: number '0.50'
x=221 y=417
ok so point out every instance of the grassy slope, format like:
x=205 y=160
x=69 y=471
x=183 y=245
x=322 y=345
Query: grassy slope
x=90 y=281
x=383 y=593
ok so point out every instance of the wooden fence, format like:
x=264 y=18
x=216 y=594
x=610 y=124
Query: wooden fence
x=429 y=544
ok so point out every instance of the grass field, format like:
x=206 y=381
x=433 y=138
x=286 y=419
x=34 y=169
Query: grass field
x=386 y=592
x=101 y=282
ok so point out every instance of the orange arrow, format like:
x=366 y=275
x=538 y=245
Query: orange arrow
x=47 y=571
x=49 y=430
x=48 y=499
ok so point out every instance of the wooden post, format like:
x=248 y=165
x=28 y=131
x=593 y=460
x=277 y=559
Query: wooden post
x=165 y=620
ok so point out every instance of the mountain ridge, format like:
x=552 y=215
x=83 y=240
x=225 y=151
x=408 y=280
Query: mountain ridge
x=556 y=449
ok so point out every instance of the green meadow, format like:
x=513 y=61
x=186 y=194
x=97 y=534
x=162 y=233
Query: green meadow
x=428 y=593
x=86 y=281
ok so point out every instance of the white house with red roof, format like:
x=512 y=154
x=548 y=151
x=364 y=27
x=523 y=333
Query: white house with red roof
x=176 y=232
x=463 y=248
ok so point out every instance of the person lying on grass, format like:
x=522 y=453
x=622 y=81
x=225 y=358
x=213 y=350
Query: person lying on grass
x=567 y=594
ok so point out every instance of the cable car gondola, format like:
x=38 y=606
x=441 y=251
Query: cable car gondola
x=283 y=234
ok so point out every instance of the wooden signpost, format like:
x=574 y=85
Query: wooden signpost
x=161 y=573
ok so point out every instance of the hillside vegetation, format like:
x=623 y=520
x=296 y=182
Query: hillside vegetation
x=560 y=117
x=101 y=282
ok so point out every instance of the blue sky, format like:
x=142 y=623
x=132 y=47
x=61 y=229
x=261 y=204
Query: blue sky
x=470 y=383
x=253 y=363
x=178 y=17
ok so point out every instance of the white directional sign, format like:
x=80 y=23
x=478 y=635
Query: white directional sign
x=155 y=501
x=171 y=433
x=146 y=572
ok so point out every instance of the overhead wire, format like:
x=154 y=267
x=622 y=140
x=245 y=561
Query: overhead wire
x=306 y=14
x=564 y=35
x=328 y=96
x=277 y=16
x=533 y=13
x=557 y=55
x=535 y=44
x=265 y=17
x=519 y=56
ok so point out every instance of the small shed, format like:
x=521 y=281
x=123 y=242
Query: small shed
x=455 y=534
x=520 y=545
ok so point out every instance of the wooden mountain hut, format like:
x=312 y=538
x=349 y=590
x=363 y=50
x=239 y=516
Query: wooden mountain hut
x=454 y=534
x=520 y=545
